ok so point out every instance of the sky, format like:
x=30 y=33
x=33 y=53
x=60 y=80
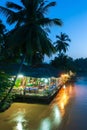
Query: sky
x=73 y=13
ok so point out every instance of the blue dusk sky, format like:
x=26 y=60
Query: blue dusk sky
x=73 y=13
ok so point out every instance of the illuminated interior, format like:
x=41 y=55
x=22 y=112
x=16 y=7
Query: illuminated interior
x=39 y=86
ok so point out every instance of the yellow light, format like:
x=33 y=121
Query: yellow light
x=62 y=105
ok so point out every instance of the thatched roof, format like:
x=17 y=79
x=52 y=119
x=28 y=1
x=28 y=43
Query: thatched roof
x=44 y=70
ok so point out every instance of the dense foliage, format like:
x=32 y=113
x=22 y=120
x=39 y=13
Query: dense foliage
x=5 y=83
x=30 y=35
x=63 y=62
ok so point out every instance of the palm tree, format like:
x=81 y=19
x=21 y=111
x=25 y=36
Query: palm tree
x=29 y=34
x=61 y=44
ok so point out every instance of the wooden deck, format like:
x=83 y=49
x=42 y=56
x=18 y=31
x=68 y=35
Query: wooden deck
x=36 y=97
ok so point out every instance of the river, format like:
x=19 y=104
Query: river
x=67 y=111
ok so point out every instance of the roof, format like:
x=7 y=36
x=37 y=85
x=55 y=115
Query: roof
x=44 y=70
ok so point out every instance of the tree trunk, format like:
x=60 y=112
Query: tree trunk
x=20 y=68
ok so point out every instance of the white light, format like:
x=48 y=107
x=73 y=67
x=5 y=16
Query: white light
x=19 y=126
x=57 y=115
x=19 y=118
x=64 y=86
x=45 y=124
x=20 y=76
x=46 y=81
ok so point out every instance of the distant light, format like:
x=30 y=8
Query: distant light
x=62 y=105
x=64 y=86
x=20 y=76
x=65 y=75
x=46 y=80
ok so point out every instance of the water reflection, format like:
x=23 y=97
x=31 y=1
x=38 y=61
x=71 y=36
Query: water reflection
x=52 y=121
x=19 y=126
x=62 y=99
x=45 y=124
x=36 y=116
x=19 y=119
x=57 y=115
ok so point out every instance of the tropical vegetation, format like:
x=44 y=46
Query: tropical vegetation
x=30 y=35
x=62 y=44
x=62 y=61
x=29 y=40
x=5 y=83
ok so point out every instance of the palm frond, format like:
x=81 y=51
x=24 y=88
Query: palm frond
x=6 y=11
x=58 y=37
x=49 y=22
x=66 y=44
x=47 y=30
x=65 y=37
x=13 y=6
x=45 y=41
x=36 y=3
x=68 y=39
x=45 y=8
x=12 y=18
x=9 y=14
x=57 y=21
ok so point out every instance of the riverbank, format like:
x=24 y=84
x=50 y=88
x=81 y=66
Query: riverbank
x=30 y=99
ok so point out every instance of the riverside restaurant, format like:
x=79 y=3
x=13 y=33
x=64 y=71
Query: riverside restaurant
x=40 y=82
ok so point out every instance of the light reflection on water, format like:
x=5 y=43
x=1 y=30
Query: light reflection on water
x=52 y=121
x=55 y=116
x=19 y=118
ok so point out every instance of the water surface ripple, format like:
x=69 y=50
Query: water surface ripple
x=68 y=111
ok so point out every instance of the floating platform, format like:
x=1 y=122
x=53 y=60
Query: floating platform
x=35 y=98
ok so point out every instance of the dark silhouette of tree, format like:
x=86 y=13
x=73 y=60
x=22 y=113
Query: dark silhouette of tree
x=81 y=65
x=63 y=62
x=61 y=44
x=5 y=84
x=30 y=35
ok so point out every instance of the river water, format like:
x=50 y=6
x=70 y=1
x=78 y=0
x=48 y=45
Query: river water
x=67 y=111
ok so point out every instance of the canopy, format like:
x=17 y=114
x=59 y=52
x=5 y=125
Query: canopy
x=39 y=71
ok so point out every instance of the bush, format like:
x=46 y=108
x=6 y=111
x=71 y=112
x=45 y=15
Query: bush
x=5 y=83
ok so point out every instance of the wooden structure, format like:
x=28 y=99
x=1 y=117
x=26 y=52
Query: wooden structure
x=40 y=82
